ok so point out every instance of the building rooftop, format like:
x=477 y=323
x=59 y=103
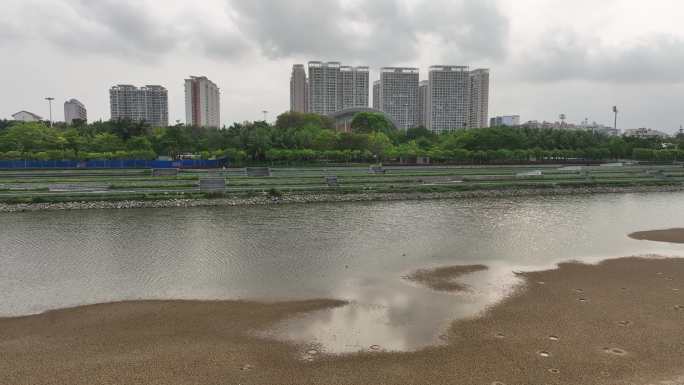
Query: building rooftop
x=37 y=117
x=453 y=68
x=410 y=70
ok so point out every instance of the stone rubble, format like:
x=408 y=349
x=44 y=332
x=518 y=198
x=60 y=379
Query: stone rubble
x=289 y=198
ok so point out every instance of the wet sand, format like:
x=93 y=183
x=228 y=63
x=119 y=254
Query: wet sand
x=670 y=235
x=619 y=322
x=444 y=278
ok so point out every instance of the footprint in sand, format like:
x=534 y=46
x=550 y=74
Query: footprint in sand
x=544 y=354
x=554 y=338
x=375 y=347
x=624 y=323
x=679 y=307
x=554 y=371
x=615 y=351
x=246 y=368
x=498 y=383
x=583 y=300
x=500 y=335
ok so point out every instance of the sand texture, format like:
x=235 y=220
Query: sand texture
x=619 y=322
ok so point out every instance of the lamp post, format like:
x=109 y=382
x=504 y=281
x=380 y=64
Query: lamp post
x=50 y=99
x=615 y=111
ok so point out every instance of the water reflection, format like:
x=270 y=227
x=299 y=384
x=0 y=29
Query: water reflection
x=352 y=251
x=392 y=314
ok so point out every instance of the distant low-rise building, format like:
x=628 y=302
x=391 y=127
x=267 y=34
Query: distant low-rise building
x=505 y=120
x=74 y=110
x=645 y=133
x=26 y=116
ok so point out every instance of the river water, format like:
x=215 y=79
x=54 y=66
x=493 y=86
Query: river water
x=353 y=251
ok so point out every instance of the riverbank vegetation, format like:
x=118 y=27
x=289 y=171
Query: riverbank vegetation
x=301 y=138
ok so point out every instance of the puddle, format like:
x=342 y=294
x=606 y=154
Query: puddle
x=395 y=314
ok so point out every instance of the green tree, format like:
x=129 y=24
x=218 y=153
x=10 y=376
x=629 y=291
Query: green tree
x=370 y=122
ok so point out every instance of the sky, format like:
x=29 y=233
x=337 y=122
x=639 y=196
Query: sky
x=546 y=57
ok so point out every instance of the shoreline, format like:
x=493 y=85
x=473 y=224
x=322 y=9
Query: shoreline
x=666 y=236
x=618 y=321
x=306 y=198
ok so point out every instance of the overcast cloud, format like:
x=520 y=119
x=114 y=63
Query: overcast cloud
x=547 y=56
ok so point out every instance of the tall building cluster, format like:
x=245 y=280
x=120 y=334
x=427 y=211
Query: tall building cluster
x=329 y=87
x=150 y=103
x=453 y=97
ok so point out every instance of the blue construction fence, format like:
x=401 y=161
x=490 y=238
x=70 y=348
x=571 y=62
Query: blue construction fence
x=90 y=164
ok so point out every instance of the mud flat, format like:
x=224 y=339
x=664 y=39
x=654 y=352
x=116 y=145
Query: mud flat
x=618 y=322
x=669 y=235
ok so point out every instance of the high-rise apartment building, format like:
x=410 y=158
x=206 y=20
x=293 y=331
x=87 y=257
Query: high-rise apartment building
x=479 y=98
x=448 y=102
x=376 y=94
x=324 y=87
x=399 y=95
x=149 y=104
x=299 y=89
x=74 y=110
x=202 y=102
x=423 y=97
x=354 y=82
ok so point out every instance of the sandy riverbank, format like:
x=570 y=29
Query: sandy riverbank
x=331 y=197
x=619 y=322
x=669 y=235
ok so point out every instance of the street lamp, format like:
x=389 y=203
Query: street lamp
x=615 y=111
x=50 y=99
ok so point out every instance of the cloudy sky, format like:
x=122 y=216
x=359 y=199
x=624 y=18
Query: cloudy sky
x=547 y=57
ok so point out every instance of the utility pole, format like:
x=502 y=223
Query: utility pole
x=50 y=99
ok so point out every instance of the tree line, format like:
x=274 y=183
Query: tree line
x=297 y=137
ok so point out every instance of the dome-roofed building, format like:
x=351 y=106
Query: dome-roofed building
x=344 y=118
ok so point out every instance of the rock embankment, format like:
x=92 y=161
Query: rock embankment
x=329 y=197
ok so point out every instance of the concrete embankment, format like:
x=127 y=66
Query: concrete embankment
x=289 y=198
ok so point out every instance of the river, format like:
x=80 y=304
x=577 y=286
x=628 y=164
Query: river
x=353 y=251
